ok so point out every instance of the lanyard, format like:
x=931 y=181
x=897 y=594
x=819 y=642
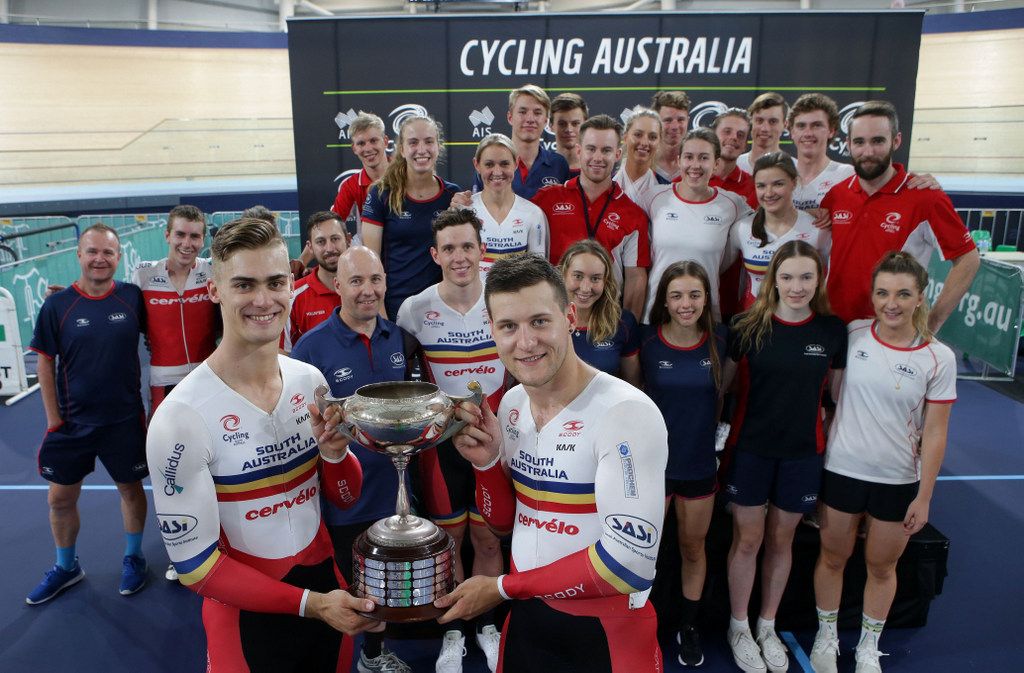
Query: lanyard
x=592 y=231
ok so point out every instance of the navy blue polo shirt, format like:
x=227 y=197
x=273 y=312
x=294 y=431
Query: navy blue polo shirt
x=606 y=355
x=406 y=240
x=95 y=341
x=349 y=360
x=681 y=382
x=549 y=168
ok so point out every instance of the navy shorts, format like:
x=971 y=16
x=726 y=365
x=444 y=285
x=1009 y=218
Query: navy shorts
x=692 y=489
x=69 y=451
x=791 y=484
x=885 y=502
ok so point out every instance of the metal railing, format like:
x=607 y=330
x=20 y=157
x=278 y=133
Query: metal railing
x=1005 y=226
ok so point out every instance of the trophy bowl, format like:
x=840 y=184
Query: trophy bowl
x=403 y=562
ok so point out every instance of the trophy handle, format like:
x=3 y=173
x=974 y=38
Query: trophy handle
x=476 y=396
x=323 y=399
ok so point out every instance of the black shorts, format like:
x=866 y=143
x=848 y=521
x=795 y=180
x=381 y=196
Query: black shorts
x=69 y=451
x=537 y=638
x=449 y=485
x=260 y=642
x=791 y=484
x=692 y=489
x=885 y=502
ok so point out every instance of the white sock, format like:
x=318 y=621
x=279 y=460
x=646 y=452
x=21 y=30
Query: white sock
x=828 y=623
x=736 y=625
x=870 y=632
x=765 y=625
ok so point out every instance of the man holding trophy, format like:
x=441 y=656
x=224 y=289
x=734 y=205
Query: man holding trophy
x=242 y=457
x=573 y=464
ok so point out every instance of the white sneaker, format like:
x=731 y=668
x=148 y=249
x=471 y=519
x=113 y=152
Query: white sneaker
x=824 y=653
x=489 y=640
x=386 y=662
x=745 y=652
x=867 y=660
x=773 y=651
x=171 y=574
x=453 y=648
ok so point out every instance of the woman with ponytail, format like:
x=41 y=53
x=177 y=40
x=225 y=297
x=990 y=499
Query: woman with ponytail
x=884 y=452
x=681 y=360
x=787 y=347
x=776 y=221
x=400 y=208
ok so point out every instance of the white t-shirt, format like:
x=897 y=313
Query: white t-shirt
x=524 y=229
x=876 y=435
x=809 y=195
x=698 y=231
x=756 y=258
x=458 y=347
x=642 y=190
x=592 y=476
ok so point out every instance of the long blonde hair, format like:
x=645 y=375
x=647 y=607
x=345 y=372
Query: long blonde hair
x=903 y=262
x=396 y=176
x=755 y=324
x=604 y=316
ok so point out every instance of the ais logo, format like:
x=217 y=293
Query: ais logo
x=176 y=526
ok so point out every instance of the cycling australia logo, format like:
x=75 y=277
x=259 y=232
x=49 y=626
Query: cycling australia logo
x=481 y=121
x=343 y=120
x=704 y=113
x=841 y=143
x=403 y=112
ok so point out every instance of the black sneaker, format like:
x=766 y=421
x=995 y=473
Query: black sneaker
x=690 y=654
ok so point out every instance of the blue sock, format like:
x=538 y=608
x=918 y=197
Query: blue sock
x=133 y=544
x=66 y=557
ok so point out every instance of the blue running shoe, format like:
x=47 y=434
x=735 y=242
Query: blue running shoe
x=56 y=580
x=133 y=576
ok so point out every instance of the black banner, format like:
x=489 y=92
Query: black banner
x=459 y=69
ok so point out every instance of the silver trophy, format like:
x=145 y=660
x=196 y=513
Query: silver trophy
x=402 y=563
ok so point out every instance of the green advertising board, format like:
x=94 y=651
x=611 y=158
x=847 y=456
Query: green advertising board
x=987 y=322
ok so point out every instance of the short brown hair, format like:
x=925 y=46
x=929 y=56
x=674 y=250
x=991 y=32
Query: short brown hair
x=676 y=99
x=809 y=102
x=319 y=217
x=512 y=274
x=454 y=217
x=259 y=212
x=564 y=102
x=245 y=233
x=602 y=123
x=737 y=112
x=103 y=229
x=879 y=108
x=186 y=212
x=533 y=91
x=768 y=99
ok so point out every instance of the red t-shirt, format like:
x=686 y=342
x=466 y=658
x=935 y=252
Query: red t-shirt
x=865 y=227
x=623 y=228
x=312 y=303
x=739 y=182
x=352 y=194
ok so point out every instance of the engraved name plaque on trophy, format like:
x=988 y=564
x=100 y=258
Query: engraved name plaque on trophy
x=404 y=562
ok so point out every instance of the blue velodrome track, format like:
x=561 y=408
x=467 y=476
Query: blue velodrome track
x=972 y=626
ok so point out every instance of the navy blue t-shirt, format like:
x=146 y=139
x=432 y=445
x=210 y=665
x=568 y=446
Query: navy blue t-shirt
x=349 y=360
x=549 y=168
x=406 y=240
x=778 y=411
x=681 y=382
x=606 y=355
x=96 y=343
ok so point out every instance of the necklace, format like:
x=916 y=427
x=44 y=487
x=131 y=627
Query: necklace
x=899 y=368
